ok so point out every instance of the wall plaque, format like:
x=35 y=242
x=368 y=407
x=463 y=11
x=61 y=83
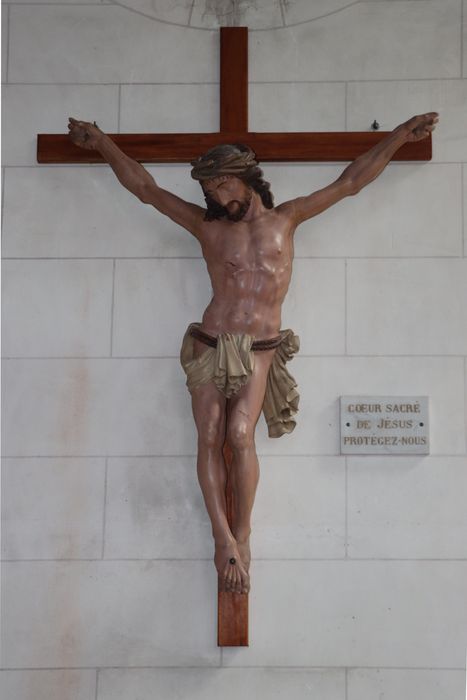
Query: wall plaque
x=384 y=425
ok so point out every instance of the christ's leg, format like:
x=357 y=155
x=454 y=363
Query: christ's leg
x=209 y=411
x=244 y=411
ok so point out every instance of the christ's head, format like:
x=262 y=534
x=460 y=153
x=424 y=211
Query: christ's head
x=229 y=175
x=227 y=196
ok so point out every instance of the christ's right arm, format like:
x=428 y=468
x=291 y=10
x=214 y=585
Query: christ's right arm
x=135 y=178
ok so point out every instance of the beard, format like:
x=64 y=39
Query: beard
x=242 y=208
x=241 y=211
x=217 y=211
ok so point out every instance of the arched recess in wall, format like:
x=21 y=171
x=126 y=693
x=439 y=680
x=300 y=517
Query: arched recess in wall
x=256 y=14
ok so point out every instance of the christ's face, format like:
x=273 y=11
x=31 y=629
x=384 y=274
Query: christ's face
x=231 y=193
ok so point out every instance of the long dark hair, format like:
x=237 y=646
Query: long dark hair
x=253 y=179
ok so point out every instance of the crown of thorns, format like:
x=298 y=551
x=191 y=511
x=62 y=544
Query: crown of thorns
x=227 y=159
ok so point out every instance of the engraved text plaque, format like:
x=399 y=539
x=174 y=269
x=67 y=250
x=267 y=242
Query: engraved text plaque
x=384 y=425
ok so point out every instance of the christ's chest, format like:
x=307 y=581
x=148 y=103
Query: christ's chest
x=263 y=251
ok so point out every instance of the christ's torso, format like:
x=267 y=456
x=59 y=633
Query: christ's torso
x=250 y=265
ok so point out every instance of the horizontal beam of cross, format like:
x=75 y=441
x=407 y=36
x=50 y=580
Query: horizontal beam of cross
x=182 y=148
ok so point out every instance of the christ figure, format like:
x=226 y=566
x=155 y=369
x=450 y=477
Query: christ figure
x=235 y=357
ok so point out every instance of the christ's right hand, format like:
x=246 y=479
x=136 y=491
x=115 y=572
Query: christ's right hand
x=84 y=134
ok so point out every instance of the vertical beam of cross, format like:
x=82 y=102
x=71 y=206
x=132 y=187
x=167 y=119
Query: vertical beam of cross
x=234 y=80
x=232 y=608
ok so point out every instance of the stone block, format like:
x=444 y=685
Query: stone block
x=52 y=508
x=57 y=308
x=97 y=45
x=330 y=48
x=112 y=221
x=166 y=11
x=155 y=509
x=299 y=509
x=315 y=306
x=5 y=13
x=464 y=177
x=407 y=507
x=303 y=107
x=169 y=108
x=109 y=613
x=96 y=407
x=407 y=307
x=402 y=684
x=49 y=685
x=44 y=109
x=228 y=683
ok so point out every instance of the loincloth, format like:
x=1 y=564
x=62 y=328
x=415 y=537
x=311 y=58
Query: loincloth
x=230 y=365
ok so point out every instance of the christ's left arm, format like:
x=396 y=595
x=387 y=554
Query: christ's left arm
x=363 y=169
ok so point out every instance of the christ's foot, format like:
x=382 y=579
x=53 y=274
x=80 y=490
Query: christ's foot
x=244 y=551
x=233 y=576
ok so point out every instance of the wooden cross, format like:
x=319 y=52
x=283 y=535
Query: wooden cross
x=181 y=148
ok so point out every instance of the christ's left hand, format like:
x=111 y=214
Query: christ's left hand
x=421 y=126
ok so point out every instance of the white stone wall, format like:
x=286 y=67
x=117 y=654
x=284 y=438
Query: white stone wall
x=360 y=565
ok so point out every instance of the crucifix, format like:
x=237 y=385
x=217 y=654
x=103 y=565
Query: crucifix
x=235 y=359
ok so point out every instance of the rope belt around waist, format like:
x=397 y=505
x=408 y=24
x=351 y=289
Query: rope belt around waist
x=267 y=344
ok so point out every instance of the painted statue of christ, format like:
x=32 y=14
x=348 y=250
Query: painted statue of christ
x=235 y=356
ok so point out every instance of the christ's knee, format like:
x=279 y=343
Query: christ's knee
x=241 y=435
x=211 y=435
